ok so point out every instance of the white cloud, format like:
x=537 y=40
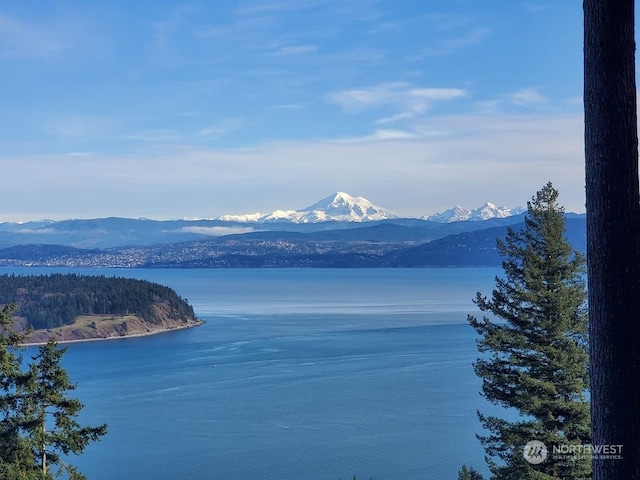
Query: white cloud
x=395 y=118
x=39 y=231
x=79 y=154
x=392 y=134
x=397 y=95
x=378 y=135
x=465 y=159
x=525 y=98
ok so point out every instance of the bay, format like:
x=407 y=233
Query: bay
x=297 y=374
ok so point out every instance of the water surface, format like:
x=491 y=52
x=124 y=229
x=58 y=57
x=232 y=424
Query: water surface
x=297 y=374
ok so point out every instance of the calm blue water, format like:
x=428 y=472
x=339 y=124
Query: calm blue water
x=297 y=374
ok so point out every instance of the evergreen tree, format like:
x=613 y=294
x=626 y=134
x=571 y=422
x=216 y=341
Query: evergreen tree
x=13 y=449
x=534 y=346
x=51 y=426
x=468 y=473
x=37 y=417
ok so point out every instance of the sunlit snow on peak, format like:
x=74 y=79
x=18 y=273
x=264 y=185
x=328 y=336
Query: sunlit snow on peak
x=338 y=207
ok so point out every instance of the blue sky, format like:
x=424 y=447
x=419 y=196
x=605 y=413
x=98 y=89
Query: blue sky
x=165 y=109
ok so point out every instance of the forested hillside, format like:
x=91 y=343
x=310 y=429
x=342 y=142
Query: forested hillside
x=51 y=301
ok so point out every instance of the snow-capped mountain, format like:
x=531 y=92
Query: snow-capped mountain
x=485 y=212
x=339 y=207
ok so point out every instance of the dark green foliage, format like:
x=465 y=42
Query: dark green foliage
x=468 y=473
x=37 y=417
x=50 y=414
x=14 y=450
x=534 y=346
x=49 y=301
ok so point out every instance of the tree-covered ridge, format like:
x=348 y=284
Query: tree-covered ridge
x=50 y=301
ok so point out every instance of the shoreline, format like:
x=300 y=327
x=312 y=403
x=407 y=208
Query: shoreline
x=198 y=323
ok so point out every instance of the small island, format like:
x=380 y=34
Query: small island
x=71 y=307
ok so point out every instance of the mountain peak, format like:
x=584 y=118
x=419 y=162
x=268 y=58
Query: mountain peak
x=335 y=199
x=337 y=207
x=485 y=212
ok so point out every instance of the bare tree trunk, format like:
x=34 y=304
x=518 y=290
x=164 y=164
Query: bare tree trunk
x=613 y=233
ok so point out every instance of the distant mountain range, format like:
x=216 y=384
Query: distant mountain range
x=342 y=207
x=338 y=231
x=338 y=207
x=485 y=212
x=376 y=245
x=338 y=211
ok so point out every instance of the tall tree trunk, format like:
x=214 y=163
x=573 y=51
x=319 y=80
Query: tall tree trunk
x=613 y=232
